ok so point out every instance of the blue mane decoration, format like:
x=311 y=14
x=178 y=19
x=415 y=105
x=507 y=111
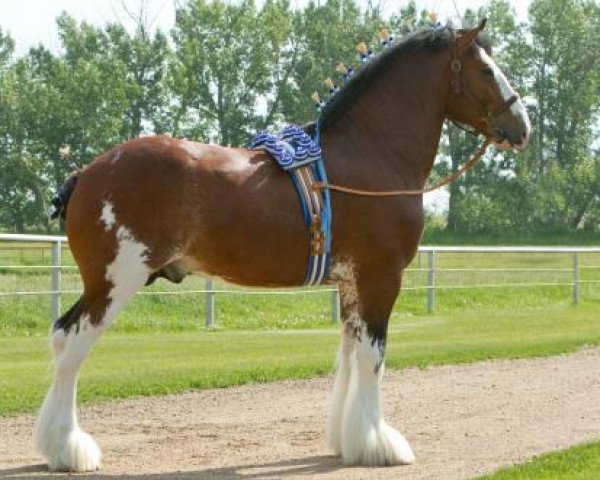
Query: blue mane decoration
x=296 y=153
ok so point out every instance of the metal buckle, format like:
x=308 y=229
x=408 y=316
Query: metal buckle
x=317 y=242
x=456 y=66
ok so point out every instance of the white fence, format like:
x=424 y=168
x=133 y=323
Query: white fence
x=56 y=243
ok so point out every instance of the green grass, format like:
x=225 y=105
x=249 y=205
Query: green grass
x=577 y=463
x=438 y=236
x=131 y=364
x=469 y=292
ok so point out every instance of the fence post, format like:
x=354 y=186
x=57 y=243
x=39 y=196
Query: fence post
x=575 y=278
x=335 y=306
x=55 y=280
x=209 y=303
x=430 y=281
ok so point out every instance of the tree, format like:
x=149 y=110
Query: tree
x=228 y=59
x=21 y=191
x=143 y=57
x=326 y=34
x=562 y=169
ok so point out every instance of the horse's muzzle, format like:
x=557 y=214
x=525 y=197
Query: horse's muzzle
x=512 y=129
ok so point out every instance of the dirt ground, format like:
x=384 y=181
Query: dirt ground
x=461 y=421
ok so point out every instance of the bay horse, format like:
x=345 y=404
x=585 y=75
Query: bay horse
x=163 y=207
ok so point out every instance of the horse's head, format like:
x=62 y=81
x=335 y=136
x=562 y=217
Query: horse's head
x=481 y=96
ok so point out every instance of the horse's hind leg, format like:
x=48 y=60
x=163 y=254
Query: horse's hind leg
x=57 y=433
x=356 y=428
x=106 y=291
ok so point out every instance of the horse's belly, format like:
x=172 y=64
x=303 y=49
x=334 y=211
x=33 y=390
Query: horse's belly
x=253 y=241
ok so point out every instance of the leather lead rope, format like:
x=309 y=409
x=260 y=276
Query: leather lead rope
x=394 y=193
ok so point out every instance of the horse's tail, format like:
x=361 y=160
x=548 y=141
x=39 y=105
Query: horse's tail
x=61 y=199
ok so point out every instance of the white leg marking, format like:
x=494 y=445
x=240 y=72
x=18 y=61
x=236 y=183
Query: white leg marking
x=356 y=428
x=343 y=274
x=333 y=432
x=57 y=433
x=366 y=438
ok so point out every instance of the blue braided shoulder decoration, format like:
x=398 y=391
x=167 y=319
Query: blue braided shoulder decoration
x=292 y=149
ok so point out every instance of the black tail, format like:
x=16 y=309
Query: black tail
x=61 y=199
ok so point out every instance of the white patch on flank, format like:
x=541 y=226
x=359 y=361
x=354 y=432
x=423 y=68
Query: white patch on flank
x=107 y=215
x=356 y=429
x=517 y=108
x=195 y=149
x=127 y=272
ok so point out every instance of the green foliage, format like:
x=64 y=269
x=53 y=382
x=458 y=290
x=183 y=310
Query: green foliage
x=326 y=33
x=561 y=171
x=229 y=69
x=7 y=48
x=227 y=57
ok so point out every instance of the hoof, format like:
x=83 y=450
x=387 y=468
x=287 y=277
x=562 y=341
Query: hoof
x=78 y=453
x=379 y=445
x=333 y=442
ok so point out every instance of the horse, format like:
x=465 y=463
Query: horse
x=164 y=207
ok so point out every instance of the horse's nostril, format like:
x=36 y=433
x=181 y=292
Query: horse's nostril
x=499 y=133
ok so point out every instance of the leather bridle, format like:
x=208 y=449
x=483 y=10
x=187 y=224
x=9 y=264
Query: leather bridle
x=457 y=83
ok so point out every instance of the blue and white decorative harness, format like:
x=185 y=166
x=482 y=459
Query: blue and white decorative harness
x=299 y=155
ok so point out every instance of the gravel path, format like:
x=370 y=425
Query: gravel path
x=460 y=420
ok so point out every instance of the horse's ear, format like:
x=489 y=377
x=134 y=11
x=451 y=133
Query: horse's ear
x=467 y=37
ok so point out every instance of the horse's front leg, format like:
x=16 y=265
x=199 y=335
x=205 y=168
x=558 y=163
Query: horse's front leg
x=356 y=428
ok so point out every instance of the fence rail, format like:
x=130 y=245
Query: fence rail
x=56 y=245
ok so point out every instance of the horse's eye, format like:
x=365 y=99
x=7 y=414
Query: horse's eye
x=488 y=71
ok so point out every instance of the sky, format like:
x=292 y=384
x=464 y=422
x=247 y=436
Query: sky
x=31 y=22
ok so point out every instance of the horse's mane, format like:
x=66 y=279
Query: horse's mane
x=424 y=40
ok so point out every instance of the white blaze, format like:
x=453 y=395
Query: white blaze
x=517 y=108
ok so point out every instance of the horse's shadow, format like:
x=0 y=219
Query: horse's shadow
x=307 y=466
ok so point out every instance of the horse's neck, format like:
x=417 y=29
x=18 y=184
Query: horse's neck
x=389 y=136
